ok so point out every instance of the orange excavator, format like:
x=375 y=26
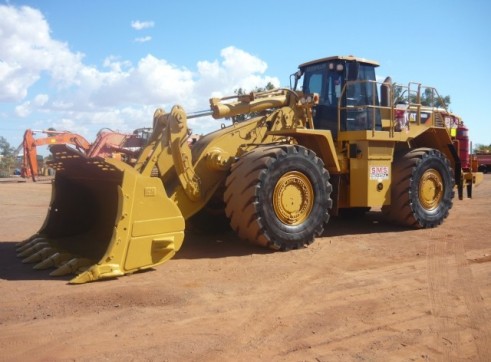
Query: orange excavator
x=122 y=146
x=29 y=144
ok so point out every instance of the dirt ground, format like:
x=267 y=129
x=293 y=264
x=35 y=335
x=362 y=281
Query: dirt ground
x=365 y=291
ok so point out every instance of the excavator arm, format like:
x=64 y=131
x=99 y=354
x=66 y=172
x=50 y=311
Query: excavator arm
x=30 y=144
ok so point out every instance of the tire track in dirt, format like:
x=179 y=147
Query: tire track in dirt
x=350 y=295
x=458 y=310
x=446 y=336
x=106 y=306
x=478 y=316
x=45 y=344
x=260 y=326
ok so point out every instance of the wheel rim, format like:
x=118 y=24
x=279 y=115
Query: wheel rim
x=430 y=189
x=293 y=198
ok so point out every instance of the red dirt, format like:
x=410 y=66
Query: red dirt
x=364 y=291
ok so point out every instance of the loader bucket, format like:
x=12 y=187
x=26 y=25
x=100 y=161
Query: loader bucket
x=105 y=220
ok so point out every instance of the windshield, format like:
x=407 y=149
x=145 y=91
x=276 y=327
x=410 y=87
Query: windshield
x=363 y=91
x=325 y=80
x=354 y=102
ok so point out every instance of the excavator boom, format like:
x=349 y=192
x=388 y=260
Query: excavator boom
x=108 y=143
x=30 y=144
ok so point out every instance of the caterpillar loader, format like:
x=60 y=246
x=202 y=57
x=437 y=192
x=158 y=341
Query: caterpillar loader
x=331 y=146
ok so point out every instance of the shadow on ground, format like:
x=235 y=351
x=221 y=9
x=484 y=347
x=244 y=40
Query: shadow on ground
x=203 y=245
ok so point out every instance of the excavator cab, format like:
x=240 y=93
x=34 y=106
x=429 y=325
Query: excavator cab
x=348 y=97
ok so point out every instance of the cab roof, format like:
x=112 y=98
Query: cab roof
x=350 y=58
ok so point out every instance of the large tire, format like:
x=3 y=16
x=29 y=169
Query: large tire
x=422 y=189
x=278 y=196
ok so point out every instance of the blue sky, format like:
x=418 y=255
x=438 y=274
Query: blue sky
x=85 y=65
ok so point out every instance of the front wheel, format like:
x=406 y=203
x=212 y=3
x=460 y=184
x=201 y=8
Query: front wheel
x=278 y=196
x=422 y=189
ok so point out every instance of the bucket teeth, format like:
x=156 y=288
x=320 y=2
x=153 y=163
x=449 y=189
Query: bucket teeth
x=23 y=243
x=26 y=244
x=54 y=260
x=73 y=266
x=40 y=255
x=33 y=249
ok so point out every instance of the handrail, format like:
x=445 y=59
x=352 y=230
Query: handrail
x=416 y=97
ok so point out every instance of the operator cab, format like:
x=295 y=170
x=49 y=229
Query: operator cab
x=347 y=90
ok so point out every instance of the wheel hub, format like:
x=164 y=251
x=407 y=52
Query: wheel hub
x=293 y=198
x=430 y=189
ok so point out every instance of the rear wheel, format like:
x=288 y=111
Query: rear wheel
x=422 y=189
x=278 y=196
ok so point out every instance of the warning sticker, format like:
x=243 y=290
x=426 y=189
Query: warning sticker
x=379 y=172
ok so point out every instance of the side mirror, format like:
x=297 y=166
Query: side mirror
x=296 y=76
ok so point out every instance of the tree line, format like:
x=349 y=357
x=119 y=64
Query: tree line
x=7 y=158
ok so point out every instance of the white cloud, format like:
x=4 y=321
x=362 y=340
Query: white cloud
x=14 y=80
x=118 y=94
x=41 y=99
x=140 y=25
x=143 y=39
x=238 y=69
x=115 y=64
x=27 y=50
x=23 y=110
x=67 y=124
x=26 y=108
x=152 y=81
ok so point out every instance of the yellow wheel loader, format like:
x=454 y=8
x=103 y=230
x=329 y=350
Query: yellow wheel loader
x=332 y=146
